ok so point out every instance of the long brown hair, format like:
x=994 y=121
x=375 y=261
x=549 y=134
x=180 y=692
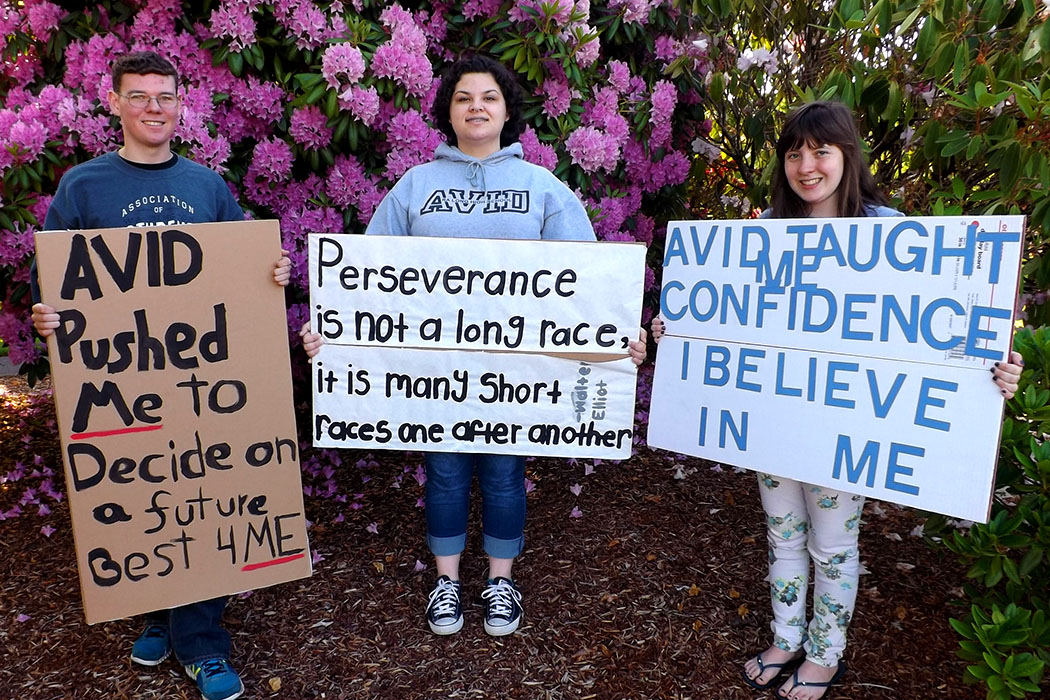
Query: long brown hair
x=815 y=124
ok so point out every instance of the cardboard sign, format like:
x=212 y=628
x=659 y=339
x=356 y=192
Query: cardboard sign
x=434 y=344
x=848 y=353
x=173 y=394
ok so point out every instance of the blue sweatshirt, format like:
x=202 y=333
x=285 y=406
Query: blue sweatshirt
x=110 y=192
x=501 y=196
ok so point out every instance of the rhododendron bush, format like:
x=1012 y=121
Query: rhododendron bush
x=312 y=110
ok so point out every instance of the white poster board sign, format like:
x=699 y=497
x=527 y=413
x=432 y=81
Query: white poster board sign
x=443 y=344
x=848 y=353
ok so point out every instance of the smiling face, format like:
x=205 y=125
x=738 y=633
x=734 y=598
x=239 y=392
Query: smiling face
x=478 y=113
x=147 y=130
x=814 y=173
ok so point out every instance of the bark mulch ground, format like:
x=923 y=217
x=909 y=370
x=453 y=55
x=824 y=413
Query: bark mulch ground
x=655 y=591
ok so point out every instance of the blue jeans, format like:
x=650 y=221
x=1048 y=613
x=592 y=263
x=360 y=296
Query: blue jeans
x=195 y=630
x=502 y=480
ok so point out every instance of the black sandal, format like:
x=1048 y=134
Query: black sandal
x=785 y=668
x=795 y=682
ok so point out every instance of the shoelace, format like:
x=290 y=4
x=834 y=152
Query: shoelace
x=444 y=599
x=213 y=667
x=501 y=597
x=155 y=631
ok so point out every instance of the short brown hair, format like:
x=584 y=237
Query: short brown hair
x=142 y=63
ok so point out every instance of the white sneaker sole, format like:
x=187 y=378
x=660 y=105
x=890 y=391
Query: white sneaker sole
x=501 y=630
x=446 y=629
x=150 y=662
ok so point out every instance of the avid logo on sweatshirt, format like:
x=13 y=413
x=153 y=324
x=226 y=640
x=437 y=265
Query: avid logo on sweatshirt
x=465 y=202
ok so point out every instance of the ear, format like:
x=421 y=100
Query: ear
x=114 y=103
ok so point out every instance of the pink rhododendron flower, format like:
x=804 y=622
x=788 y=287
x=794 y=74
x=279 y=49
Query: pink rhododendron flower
x=536 y=152
x=29 y=138
x=211 y=151
x=633 y=10
x=16 y=246
x=88 y=63
x=664 y=100
x=587 y=53
x=403 y=59
x=480 y=8
x=619 y=75
x=363 y=103
x=43 y=18
x=17 y=332
x=272 y=160
x=349 y=185
x=413 y=143
x=342 y=65
x=667 y=48
x=309 y=127
x=154 y=22
x=558 y=96
x=592 y=149
x=233 y=20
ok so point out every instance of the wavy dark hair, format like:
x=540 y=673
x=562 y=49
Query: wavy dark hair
x=815 y=124
x=508 y=85
x=142 y=63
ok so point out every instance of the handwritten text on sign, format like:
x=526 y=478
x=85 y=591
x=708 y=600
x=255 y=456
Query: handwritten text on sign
x=174 y=404
x=435 y=344
x=471 y=294
x=447 y=401
x=794 y=354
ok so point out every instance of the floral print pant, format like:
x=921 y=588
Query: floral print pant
x=805 y=521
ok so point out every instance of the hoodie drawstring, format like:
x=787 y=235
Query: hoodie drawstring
x=474 y=168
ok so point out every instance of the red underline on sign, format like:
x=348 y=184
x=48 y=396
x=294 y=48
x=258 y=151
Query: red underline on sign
x=272 y=562
x=121 y=431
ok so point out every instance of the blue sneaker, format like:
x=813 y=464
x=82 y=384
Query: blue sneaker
x=216 y=679
x=152 y=646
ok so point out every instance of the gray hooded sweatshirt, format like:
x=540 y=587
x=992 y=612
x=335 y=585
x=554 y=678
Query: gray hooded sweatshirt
x=501 y=196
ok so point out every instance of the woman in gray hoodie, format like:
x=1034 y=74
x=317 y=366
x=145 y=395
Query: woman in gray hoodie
x=478 y=186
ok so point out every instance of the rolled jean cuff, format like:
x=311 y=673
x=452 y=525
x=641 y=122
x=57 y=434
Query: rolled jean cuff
x=503 y=549
x=446 y=546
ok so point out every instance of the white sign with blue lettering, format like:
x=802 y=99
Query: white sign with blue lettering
x=848 y=353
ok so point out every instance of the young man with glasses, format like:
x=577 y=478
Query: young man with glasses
x=145 y=184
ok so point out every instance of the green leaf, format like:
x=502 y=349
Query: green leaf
x=1031 y=559
x=962 y=61
x=964 y=629
x=927 y=41
x=1010 y=168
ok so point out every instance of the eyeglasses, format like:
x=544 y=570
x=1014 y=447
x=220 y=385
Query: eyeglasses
x=140 y=100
